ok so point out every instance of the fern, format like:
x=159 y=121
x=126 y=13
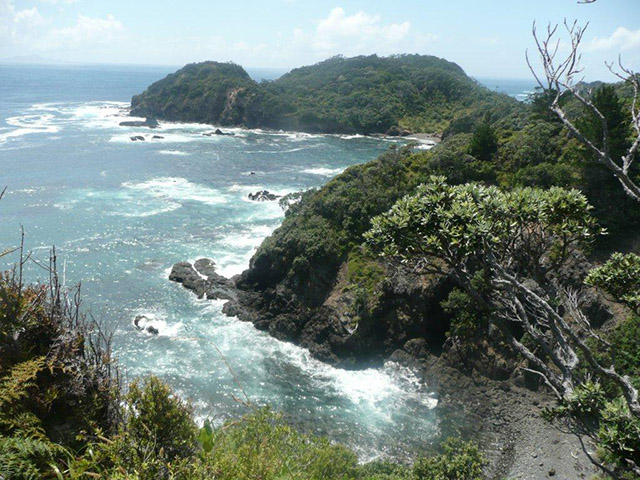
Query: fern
x=14 y=389
x=26 y=458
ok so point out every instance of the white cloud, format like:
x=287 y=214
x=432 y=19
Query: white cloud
x=88 y=30
x=17 y=26
x=27 y=32
x=56 y=2
x=28 y=18
x=358 y=33
x=621 y=39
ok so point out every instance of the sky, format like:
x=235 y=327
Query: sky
x=486 y=38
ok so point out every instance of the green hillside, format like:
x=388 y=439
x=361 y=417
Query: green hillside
x=366 y=94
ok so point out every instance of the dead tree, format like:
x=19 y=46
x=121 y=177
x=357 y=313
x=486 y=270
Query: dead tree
x=560 y=75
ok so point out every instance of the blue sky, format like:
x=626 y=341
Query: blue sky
x=487 y=38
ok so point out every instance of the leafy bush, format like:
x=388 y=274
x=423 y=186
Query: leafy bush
x=51 y=357
x=484 y=143
x=262 y=445
x=157 y=430
x=620 y=278
x=459 y=461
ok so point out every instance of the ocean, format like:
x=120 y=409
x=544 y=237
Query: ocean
x=120 y=213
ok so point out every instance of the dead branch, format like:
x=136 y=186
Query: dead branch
x=560 y=77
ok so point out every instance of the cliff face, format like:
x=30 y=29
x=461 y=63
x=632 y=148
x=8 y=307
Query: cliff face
x=333 y=325
x=367 y=94
x=208 y=92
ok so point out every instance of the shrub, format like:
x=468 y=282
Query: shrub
x=262 y=445
x=459 y=461
x=620 y=278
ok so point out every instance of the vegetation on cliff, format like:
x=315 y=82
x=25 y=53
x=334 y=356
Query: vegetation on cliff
x=518 y=153
x=367 y=94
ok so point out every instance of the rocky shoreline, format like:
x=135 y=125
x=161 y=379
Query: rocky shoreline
x=488 y=401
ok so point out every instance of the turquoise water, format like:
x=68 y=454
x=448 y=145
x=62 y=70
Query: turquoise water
x=121 y=213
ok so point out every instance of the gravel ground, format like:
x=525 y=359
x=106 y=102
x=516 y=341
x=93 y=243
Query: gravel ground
x=506 y=420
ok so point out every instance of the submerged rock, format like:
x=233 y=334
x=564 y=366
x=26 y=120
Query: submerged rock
x=217 y=131
x=149 y=329
x=136 y=321
x=263 y=196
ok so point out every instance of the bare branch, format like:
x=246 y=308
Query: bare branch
x=560 y=76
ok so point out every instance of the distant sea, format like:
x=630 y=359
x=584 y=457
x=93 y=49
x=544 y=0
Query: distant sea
x=519 y=89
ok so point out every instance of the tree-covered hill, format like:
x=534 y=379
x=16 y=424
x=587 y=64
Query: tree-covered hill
x=366 y=94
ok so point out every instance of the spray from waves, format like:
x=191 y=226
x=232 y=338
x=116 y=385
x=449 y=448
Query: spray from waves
x=371 y=410
x=424 y=146
x=327 y=172
x=99 y=115
x=87 y=115
x=28 y=125
x=177 y=189
x=166 y=138
x=116 y=203
x=372 y=387
x=150 y=322
x=177 y=153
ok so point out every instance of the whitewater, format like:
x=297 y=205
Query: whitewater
x=120 y=213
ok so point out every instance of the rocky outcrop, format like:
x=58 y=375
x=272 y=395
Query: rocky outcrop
x=217 y=131
x=408 y=309
x=149 y=122
x=137 y=138
x=202 y=279
x=263 y=196
x=396 y=131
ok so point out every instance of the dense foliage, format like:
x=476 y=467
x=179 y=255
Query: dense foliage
x=366 y=94
x=471 y=223
x=620 y=278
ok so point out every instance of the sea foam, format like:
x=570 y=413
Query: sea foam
x=178 y=189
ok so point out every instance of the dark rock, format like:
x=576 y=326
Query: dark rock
x=202 y=279
x=217 y=131
x=149 y=122
x=136 y=321
x=157 y=137
x=594 y=308
x=205 y=266
x=263 y=196
x=185 y=274
x=152 y=330
x=396 y=131
x=137 y=138
x=252 y=173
